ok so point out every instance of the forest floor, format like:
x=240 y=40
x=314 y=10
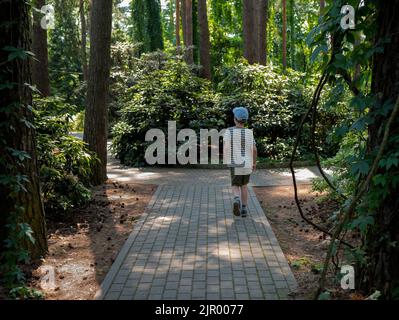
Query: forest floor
x=304 y=247
x=82 y=249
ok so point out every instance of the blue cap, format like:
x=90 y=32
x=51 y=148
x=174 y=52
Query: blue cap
x=241 y=113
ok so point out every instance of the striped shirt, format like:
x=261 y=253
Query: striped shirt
x=238 y=149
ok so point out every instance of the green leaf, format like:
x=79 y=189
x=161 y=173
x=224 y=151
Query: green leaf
x=360 y=167
x=26 y=231
x=362 y=222
x=17 y=53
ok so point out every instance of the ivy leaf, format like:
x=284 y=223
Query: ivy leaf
x=322 y=48
x=380 y=179
x=20 y=154
x=362 y=223
x=26 y=231
x=392 y=161
x=360 y=124
x=341 y=131
x=360 y=167
x=17 y=53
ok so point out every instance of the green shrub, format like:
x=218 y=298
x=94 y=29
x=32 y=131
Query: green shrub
x=276 y=102
x=168 y=92
x=64 y=161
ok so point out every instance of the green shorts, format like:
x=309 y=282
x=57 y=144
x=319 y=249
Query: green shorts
x=238 y=180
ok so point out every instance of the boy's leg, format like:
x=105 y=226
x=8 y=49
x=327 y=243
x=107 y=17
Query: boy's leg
x=244 y=197
x=237 y=201
x=236 y=191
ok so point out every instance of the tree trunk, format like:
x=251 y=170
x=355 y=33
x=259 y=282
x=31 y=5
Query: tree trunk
x=15 y=31
x=187 y=9
x=204 y=44
x=292 y=34
x=284 y=35
x=177 y=23
x=96 y=117
x=262 y=13
x=84 y=38
x=382 y=271
x=248 y=25
x=40 y=73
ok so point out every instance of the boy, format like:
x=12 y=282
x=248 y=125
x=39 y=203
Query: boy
x=240 y=154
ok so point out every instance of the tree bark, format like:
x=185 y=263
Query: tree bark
x=187 y=8
x=15 y=31
x=177 y=23
x=382 y=272
x=284 y=35
x=83 y=38
x=249 y=31
x=96 y=117
x=292 y=34
x=254 y=30
x=40 y=73
x=205 y=47
x=262 y=13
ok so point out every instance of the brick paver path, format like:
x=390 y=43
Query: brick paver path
x=188 y=245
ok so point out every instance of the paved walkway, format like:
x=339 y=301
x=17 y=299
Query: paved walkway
x=188 y=245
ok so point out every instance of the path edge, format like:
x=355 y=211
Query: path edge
x=107 y=281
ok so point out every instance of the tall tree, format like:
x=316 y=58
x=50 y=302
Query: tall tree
x=187 y=11
x=284 y=34
x=292 y=32
x=19 y=141
x=139 y=27
x=254 y=30
x=83 y=31
x=177 y=23
x=194 y=11
x=204 y=44
x=248 y=31
x=154 y=25
x=262 y=19
x=382 y=272
x=96 y=117
x=40 y=73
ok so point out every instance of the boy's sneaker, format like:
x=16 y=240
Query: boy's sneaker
x=244 y=211
x=236 y=206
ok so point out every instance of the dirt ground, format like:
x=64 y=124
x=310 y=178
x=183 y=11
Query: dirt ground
x=82 y=249
x=303 y=246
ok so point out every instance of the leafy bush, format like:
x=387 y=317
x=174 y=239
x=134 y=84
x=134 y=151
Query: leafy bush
x=276 y=103
x=169 y=92
x=64 y=161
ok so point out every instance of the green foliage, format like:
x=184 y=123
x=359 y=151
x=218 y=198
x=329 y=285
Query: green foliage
x=64 y=161
x=25 y=293
x=12 y=180
x=65 y=66
x=276 y=103
x=165 y=90
x=147 y=25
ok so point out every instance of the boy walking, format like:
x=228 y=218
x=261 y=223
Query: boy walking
x=240 y=154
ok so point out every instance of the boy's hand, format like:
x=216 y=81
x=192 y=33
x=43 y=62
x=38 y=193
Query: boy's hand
x=254 y=167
